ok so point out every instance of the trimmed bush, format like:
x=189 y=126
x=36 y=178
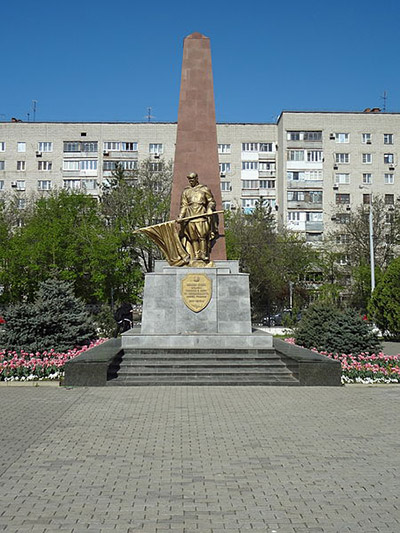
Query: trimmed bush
x=327 y=328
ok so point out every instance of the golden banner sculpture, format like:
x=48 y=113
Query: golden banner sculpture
x=166 y=237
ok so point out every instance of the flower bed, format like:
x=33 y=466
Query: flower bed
x=366 y=368
x=24 y=366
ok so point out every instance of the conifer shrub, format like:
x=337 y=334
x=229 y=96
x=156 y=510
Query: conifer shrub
x=56 y=319
x=327 y=328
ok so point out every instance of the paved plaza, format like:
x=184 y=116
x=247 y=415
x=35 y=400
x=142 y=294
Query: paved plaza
x=204 y=459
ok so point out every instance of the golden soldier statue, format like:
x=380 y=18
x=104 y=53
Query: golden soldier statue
x=198 y=233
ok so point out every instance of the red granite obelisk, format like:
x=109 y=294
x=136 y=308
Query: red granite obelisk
x=196 y=141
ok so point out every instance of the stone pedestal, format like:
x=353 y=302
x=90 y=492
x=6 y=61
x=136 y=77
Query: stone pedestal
x=165 y=311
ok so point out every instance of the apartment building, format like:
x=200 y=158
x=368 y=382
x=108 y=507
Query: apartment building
x=304 y=166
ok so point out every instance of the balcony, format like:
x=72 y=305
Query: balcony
x=314 y=226
x=302 y=204
x=304 y=184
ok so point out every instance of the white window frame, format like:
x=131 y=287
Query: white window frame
x=21 y=166
x=388 y=159
x=367 y=159
x=342 y=158
x=250 y=184
x=367 y=178
x=71 y=165
x=249 y=165
x=342 y=178
x=21 y=185
x=226 y=186
x=132 y=146
x=2 y=146
x=76 y=183
x=45 y=146
x=111 y=146
x=2 y=165
x=296 y=155
x=388 y=178
x=315 y=156
x=225 y=167
x=44 y=185
x=342 y=138
x=388 y=138
x=224 y=148
x=156 y=148
x=21 y=147
x=366 y=138
x=45 y=166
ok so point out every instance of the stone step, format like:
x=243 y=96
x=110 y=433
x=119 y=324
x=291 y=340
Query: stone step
x=201 y=363
x=142 y=371
x=199 y=352
x=204 y=380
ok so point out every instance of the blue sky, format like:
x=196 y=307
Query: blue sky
x=110 y=61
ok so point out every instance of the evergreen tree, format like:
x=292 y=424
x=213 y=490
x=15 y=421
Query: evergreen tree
x=56 y=319
x=325 y=327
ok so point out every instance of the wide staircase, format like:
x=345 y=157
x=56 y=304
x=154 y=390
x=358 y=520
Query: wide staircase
x=137 y=367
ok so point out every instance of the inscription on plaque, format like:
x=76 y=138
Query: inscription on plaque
x=196 y=291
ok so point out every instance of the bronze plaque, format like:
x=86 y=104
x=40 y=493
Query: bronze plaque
x=196 y=291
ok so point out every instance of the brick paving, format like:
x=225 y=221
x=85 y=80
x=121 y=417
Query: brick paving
x=200 y=459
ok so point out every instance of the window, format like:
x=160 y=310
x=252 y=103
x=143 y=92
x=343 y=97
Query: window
x=342 y=218
x=266 y=147
x=342 y=158
x=89 y=185
x=20 y=185
x=154 y=166
x=72 y=146
x=226 y=186
x=250 y=184
x=304 y=175
x=133 y=146
x=21 y=165
x=366 y=198
x=249 y=165
x=388 y=138
x=313 y=136
x=224 y=148
x=21 y=147
x=342 y=198
x=226 y=205
x=314 y=217
x=342 y=178
x=72 y=184
x=71 y=165
x=313 y=197
x=343 y=259
x=45 y=147
x=366 y=138
x=112 y=146
x=367 y=158
x=44 y=165
x=293 y=216
x=314 y=156
x=389 y=179
x=264 y=165
x=389 y=199
x=127 y=165
x=88 y=164
x=21 y=203
x=310 y=136
x=155 y=148
x=2 y=165
x=78 y=146
x=389 y=218
x=367 y=179
x=1 y=185
x=388 y=158
x=225 y=168
x=89 y=146
x=342 y=137
x=267 y=184
x=2 y=146
x=295 y=155
x=250 y=147
x=44 y=185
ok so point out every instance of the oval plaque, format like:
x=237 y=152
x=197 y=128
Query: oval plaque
x=196 y=291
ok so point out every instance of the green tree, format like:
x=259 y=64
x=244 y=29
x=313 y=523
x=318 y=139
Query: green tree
x=273 y=258
x=65 y=236
x=325 y=327
x=384 y=306
x=56 y=319
x=135 y=199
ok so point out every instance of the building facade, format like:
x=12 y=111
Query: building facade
x=306 y=166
